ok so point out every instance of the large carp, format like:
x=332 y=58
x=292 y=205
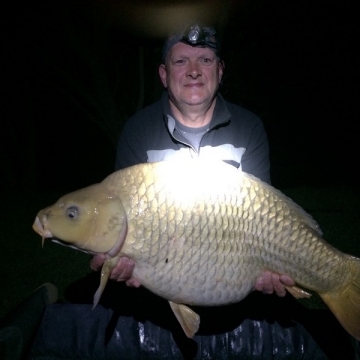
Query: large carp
x=201 y=233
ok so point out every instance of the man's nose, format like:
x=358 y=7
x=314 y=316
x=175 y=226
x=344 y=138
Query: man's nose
x=194 y=69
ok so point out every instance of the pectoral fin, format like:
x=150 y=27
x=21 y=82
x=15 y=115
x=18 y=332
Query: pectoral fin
x=188 y=319
x=297 y=293
x=109 y=264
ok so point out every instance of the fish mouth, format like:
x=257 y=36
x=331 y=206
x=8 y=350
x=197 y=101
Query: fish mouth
x=39 y=228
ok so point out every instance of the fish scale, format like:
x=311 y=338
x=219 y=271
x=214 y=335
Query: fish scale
x=201 y=233
x=250 y=214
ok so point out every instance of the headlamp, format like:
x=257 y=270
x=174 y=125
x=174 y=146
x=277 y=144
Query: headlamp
x=200 y=36
x=194 y=36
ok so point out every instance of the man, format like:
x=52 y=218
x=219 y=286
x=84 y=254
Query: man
x=192 y=119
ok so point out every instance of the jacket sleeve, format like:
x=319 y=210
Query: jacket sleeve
x=255 y=160
x=131 y=147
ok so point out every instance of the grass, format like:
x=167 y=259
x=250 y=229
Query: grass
x=25 y=265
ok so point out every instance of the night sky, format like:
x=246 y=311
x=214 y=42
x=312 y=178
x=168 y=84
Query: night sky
x=71 y=76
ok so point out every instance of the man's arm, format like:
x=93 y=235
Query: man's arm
x=256 y=160
x=130 y=149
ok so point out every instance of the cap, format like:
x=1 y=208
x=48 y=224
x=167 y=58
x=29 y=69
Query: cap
x=196 y=36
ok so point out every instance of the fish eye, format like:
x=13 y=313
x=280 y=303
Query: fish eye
x=72 y=212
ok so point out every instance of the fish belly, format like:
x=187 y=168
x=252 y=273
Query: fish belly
x=197 y=277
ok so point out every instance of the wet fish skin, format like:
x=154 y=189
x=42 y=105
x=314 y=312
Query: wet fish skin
x=201 y=233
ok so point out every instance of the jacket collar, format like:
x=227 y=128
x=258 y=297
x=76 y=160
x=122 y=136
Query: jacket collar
x=221 y=113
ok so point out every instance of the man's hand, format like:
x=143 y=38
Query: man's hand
x=270 y=282
x=121 y=272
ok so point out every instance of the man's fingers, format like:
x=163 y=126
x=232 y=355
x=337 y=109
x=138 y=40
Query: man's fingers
x=270 y=282
x=123 y=270
x=264 y=283
x=97 y=262
x=278 y=285
x=286 y=280
x=132 y=282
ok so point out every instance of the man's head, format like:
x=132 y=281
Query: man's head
x=191 y=69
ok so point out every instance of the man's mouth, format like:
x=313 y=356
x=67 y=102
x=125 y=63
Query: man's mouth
x=195 y=85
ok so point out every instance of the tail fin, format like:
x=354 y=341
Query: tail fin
x=345 y=304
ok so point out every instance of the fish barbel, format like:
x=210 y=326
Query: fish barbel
x=201 y=233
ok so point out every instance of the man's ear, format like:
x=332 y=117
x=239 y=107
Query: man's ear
x=162 y=73
x=221 y=70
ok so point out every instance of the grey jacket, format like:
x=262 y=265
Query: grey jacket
x=235 y=135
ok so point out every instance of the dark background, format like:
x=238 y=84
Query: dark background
x=72 y=72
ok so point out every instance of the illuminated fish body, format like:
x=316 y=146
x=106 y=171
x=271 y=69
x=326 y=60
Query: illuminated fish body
x=201 y=233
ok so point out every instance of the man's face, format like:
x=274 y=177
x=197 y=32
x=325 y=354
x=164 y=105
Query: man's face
x=191 y=75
